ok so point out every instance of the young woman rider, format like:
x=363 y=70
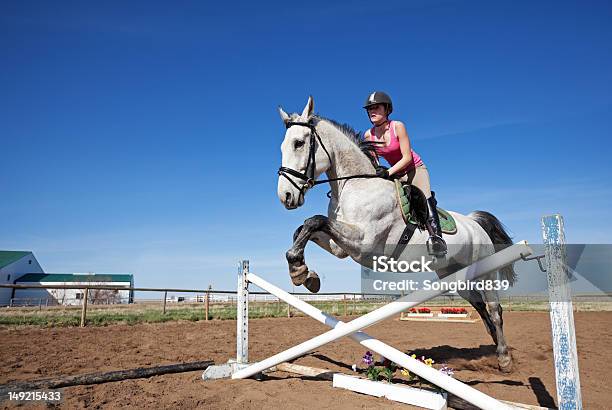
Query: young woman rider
x=405 y=163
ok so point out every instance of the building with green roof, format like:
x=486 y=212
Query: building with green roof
x=74 y=296
x=14 y=265
x=22 y=268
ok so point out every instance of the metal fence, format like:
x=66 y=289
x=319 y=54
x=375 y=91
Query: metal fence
x=206 y=297
x=345 y=302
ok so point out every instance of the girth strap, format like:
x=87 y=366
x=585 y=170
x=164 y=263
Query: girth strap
x=404 y=239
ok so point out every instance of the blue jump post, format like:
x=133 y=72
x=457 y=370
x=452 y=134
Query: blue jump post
x=561 y=314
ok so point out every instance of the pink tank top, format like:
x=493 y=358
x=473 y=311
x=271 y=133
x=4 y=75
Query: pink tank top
x=392 y=153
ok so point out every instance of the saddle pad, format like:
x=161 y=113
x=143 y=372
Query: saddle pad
x=447 y=222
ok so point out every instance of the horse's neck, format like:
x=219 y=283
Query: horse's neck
x=347 y=158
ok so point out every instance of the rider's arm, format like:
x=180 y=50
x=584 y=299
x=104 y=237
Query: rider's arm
x=404 y=141
x=368 y=137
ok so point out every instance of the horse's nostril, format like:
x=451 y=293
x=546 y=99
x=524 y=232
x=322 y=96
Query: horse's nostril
x=287 y=197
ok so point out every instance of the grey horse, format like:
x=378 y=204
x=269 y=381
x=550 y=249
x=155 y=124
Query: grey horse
x=364 y=218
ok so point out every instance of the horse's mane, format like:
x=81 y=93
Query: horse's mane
x=368 y=148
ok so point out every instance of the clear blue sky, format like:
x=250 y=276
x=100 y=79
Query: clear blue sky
x=143 y=137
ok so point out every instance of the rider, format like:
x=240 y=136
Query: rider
x=405 y=163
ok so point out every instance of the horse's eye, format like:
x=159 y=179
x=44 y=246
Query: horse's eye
x=298 y=144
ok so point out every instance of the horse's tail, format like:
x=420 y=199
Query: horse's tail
x=500 y=238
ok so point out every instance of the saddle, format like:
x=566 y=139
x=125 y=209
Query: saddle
x=413 y=206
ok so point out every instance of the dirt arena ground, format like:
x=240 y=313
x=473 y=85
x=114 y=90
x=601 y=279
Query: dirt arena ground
x=29 y=353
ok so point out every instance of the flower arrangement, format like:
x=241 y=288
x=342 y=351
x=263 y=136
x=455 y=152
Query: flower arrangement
x=420 y=310
x=388 y=368
x=453 y=311
x=428 y=361
x=373 y=372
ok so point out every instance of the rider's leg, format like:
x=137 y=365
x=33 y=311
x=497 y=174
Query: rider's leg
x=421 y=181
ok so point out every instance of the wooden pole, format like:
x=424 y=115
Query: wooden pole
x=314 y=372
x=97 y=378
x=84 y=310
x=206 y=304
x=165 y=298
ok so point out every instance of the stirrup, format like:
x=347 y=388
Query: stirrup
x=434 y=242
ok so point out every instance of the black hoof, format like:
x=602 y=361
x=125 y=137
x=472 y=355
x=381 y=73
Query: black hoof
x=312 y=283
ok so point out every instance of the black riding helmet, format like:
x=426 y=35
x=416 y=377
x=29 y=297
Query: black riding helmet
x=379 y=97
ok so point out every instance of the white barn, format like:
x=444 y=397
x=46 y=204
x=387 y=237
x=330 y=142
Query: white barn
x=14 y=265
x=74 y=296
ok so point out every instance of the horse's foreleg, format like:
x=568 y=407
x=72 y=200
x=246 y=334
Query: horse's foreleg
x=295 y=256
x=326 y=242
x=330 y=234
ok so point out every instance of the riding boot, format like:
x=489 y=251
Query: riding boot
x=438 y=246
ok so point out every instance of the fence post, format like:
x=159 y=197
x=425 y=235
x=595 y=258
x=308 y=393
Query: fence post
x=242 y=314
x=84 y=309
x=165 y=298
x=561 y=314
x=206 y=303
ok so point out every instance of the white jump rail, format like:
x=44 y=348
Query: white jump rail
x=353 y=328
x=482 y=267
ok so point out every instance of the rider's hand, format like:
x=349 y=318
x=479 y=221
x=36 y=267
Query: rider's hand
x=382 y=172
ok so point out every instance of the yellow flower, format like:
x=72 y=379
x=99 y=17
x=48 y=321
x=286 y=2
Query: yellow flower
x=405 y=372
x=429 y=362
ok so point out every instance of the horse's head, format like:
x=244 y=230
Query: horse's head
x=304 y=157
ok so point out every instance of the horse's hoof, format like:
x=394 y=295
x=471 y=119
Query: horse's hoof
x=299 y=275
x=505 y=363
x=312 y=283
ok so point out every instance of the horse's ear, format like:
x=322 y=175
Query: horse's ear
x=284 y=116
x=309 y=109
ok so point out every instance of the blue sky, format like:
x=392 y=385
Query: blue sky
x=143 y=137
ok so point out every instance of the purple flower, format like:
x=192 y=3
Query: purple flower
x=447 y=370
x=368 y=358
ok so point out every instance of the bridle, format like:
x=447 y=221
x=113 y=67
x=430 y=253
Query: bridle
x=309 y=175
